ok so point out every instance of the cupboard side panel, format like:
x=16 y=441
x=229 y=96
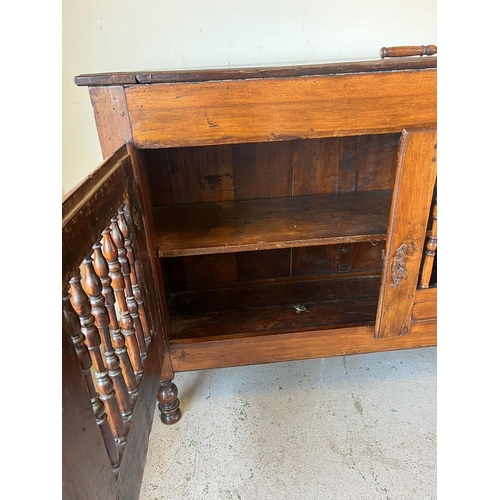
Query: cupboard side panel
x=148 y=263
x=158 y=177
x=111 y=117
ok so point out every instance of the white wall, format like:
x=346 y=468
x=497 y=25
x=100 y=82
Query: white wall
x=126 y=35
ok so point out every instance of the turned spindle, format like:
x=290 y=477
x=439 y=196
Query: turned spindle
x=92 y=286
x=81 y=305
x=136 y=289
x=118 y=240
x=168 y=403
x=408 y=50
x=73 y=324
x=430 y=251
x=117 y=339
x=118 y=284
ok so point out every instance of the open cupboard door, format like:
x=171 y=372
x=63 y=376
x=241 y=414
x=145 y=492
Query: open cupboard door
x=114 y=335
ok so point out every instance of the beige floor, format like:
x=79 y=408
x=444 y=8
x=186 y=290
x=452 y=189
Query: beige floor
x=358 y=427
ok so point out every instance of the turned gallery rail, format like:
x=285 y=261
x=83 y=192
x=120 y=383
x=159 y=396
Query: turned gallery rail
x=107 y=320
x=430 y=251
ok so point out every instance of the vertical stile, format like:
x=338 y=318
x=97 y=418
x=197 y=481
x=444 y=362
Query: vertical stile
x=110 y=253
x=82 y=353
x=117 y=339
x=93 y=288
x=430 y=251
x=81 y=305
x=118 y=240
x=136 y=289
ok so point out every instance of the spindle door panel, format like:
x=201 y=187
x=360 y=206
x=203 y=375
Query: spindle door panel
x=113 y=332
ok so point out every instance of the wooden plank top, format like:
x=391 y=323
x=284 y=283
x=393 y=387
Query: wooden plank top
x=217 y=74
x=233 y=226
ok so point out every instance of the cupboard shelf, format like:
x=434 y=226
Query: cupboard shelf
x=268 y=309
x=263 y=224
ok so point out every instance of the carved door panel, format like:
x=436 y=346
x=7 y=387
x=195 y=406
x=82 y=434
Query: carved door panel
x=114 y=333
x=409 y=214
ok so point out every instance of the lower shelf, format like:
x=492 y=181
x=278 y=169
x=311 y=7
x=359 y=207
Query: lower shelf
x=273 y=308
x=249 y=325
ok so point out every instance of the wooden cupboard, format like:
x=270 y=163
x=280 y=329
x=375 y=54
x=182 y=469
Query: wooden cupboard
x=266 y=214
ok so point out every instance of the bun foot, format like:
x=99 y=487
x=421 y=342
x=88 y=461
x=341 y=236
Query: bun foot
x=168 y=403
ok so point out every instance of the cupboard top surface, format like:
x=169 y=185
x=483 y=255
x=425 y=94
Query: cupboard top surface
x=201 y=75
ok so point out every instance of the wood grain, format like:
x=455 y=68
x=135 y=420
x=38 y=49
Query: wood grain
x=316 y=166
x=408 y=50
x=425 y=306
x=430 y=251
x=408 y=219
x=111 y=117
x=283 y=293
x=241 y=111
x=295 y=346
x=376 y=161
x=157 y=173
x=262 y=170
x=148 y=267
x=134 y=455
x=269 y=309
x=86 y=470
x=202 y=174
x=88 y=208
x=271 y=223
x=208 y=74
x=265 y=264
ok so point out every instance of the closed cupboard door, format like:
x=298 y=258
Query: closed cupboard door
x=408 y=218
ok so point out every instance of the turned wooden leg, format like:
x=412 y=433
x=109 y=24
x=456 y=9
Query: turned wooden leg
x=168 y=403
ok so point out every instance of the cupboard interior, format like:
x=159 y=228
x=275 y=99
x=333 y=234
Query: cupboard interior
x=273 y=237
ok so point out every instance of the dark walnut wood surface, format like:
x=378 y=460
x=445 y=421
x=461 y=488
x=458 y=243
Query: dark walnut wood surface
x=223 y=227
x=201 y=75
x=271 y=308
